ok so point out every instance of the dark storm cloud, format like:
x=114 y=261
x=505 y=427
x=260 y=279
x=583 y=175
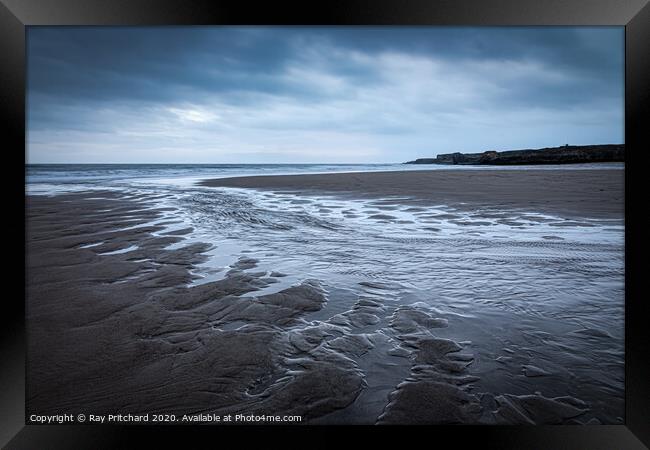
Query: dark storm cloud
x=159 y=64
x=324 y=79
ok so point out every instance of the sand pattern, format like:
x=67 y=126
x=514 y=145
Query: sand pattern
x=232 y=300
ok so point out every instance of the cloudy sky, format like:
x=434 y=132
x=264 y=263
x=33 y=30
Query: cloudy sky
x=317 y=94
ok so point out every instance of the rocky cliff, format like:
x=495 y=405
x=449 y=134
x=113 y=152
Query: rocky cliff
x=568 y=154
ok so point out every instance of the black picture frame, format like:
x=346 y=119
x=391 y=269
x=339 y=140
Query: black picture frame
x=16 y=15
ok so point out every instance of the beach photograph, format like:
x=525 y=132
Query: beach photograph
x=319 y=225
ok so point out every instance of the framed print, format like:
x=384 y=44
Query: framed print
x=410 y=218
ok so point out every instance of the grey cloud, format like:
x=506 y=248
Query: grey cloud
x=322 y=79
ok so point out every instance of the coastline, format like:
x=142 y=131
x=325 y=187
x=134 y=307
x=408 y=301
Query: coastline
x=114 y=329
x=593 y=193
x=371 y=323
x=567 y=154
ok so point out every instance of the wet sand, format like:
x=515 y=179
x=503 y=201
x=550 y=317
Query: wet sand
x=115 y=324
x=113 y=332
x=597 y=193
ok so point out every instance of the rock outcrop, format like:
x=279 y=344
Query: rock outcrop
x=568 y=154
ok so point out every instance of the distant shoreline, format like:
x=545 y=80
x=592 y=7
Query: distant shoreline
x=567 y=154
x=596 y=193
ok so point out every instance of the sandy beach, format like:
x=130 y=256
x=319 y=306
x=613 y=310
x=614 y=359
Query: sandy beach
x=326 y=225
x=581 y=193
x=120 y=332
x=352 y=298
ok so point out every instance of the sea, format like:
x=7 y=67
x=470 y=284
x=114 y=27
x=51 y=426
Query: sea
x=40 y=177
